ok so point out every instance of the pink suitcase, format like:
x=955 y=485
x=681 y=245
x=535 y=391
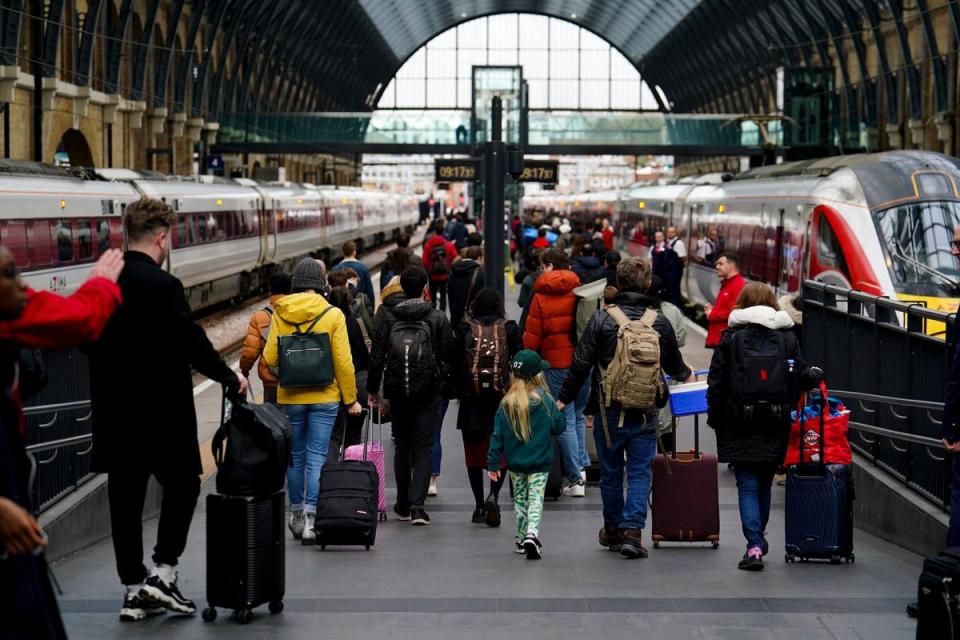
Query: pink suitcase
x=372 y=451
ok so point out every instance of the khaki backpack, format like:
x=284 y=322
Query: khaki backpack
x=633 y=379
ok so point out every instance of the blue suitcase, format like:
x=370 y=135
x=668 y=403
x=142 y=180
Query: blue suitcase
x=819 y=510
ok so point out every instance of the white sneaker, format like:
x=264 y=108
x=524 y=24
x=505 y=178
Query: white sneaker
x=309 y=535
x=583 y=476
x=575 y=489
x=296 y=524
x=432 y=489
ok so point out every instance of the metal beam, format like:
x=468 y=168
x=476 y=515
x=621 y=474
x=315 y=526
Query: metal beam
x=940 y=91
x=182 y=72
x=139 y=76
x=52 y=26
x=890 y=82
x=11 y=13
x=437 y=149
x=200 y=85
x=162 y=58
x=118 y=37
x=91 y=26
x=913 y=74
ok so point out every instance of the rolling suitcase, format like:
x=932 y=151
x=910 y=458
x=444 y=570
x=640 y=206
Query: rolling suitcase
x=686 y=503
x=938 y=597
x=245 y=554
x=819 y=509
x=347 y=511
x=374 y=453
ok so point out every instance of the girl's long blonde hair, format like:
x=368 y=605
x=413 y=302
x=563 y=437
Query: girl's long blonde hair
x=516 y=403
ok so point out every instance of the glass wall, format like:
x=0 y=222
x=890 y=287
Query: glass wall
x=566 y=66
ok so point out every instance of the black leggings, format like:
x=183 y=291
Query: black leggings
x=475 y=474
x=438 y=294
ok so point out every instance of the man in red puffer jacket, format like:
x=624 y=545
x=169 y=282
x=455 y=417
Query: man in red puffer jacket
x=549 y=332
x=438 y=256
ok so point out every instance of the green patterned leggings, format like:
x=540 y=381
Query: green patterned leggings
x=528 y=489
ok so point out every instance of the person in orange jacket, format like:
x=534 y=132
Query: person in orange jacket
x=34 y=319
x=731 y=284
x=548 y=331
x=256 y=340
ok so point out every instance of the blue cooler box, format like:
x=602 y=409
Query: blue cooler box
x=688 y=399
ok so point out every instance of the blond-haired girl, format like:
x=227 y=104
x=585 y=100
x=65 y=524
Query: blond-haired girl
x=524 y=428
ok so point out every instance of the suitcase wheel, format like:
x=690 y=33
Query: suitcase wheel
x=323 y=547
x=851 y=558
x=209 y=614
x=383 y=516
x=716 y=544
x=789 y=558
x=276 y=607
x=243 y=616
x=656 y=544
x=367 y=546
x=834 y=559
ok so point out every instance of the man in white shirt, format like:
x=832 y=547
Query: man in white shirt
x=674 y=242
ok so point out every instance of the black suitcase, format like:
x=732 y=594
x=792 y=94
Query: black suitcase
x=819 y=510
x=938 y=597
x=245 y=554
x=347 y=503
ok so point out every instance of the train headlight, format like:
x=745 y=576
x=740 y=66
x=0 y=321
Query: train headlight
x=219 y=202
x=641 y=205
x=63 y=204
x=722 y=208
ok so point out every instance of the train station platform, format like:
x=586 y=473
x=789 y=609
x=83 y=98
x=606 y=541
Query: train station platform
x=454 y=579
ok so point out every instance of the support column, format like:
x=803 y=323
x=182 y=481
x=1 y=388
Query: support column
x=494 y=170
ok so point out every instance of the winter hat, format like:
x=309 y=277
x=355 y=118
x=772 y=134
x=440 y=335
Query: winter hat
x=527 y=364
x=564 y=228
x=308 y=274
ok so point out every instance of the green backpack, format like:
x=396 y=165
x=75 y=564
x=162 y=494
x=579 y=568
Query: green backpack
x=305 y=359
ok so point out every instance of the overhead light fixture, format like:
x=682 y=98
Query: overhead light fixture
x=573 y=16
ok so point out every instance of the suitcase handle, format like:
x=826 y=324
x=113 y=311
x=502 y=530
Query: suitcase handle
x=363 y=435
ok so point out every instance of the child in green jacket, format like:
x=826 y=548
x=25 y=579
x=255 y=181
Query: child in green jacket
x=526 y=423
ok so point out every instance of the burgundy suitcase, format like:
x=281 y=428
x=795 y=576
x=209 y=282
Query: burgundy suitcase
x=686 y=505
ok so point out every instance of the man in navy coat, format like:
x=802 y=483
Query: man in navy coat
x=951 y=420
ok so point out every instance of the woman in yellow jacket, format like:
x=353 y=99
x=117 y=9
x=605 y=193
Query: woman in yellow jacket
x=312 y=412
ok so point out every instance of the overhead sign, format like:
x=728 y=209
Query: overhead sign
x=546 y=171
x=460 y=170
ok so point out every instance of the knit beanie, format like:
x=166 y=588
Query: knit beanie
x=308 y=275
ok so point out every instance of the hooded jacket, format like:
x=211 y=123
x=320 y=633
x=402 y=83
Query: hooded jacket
x=301 y=309
x=390 y=296
x=588 y=269
x=536 y=455
x=762 y=441
x=462 y=287
x=551 y=319
x=428 y=247
x=253 y=344
x=599 y=343
x=440 y=333
x=717 y=321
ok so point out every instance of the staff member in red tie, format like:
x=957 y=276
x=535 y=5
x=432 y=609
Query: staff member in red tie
x=731 y=284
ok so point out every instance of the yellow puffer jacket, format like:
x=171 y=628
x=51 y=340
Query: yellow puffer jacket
x=301 y=309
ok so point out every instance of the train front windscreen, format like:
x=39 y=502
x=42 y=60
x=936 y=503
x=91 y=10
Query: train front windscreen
x=918 y=238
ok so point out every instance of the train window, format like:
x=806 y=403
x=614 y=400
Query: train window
x=245 y=219
x=84 y=241
x=220 y=227
x=14 y=238
x=103 y=236
x=829 y=251
x=64 y=235
x=116 y=233
x=180 y=239
x=227 y=220
x=201 y=228
x=40 y=243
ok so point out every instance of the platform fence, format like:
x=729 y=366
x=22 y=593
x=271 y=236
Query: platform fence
x=888 y=360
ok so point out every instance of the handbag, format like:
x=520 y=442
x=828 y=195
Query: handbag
x=836 y=421
x=305 y=359
x=252 y=448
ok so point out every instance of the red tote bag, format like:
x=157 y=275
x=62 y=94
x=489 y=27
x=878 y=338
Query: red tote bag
x=806 y=429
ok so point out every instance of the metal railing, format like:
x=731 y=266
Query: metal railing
x=59 y=430
x=889 y=362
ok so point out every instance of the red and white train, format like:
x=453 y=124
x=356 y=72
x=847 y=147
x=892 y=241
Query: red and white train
x=881 y=223
x=231 y=234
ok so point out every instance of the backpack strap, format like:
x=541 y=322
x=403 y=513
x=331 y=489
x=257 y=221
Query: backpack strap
x=649 y=317
x=266 y=330
x=315 y=321
x=366 y=336
x=619 y=316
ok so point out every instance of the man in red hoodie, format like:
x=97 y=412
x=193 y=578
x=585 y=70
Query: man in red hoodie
x=731 y=283
x=548 y=331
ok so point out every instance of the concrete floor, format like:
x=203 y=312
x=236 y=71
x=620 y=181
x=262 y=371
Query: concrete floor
x=455 y=579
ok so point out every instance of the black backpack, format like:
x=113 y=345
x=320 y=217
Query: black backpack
x=438 y=261
x=762 y=375
x=257 y=453
x=411 y=365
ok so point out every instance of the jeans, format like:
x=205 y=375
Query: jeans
x=311 y=425
x=126 y=492
x=569 y=447
x=638 y=441
x=414 y=422
x=753 y=491
x=579 y=407
x=953 y=533
x=437 y=447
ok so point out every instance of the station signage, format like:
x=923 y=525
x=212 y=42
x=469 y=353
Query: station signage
x=458 y=170
x=546 y=171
